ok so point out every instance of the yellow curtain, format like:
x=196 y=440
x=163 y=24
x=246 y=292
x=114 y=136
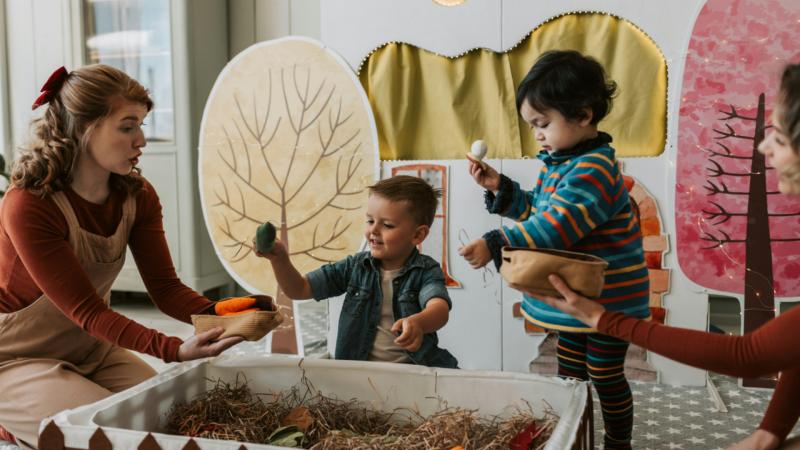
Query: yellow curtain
x=428 y=106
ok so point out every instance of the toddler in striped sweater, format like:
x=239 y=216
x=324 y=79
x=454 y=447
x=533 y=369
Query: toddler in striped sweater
x=579 y=203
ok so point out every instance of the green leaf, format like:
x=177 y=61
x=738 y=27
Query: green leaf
x=289 y=436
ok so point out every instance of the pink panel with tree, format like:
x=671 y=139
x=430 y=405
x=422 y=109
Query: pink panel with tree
x=735 y=232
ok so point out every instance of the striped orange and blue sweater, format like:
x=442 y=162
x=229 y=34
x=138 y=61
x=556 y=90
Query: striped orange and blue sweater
x=580 y=203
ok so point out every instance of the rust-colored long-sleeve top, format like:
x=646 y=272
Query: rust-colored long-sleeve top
x=36 y=258
x=769 y=349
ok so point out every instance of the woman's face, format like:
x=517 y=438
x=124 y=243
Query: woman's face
x=115 y=144
x=779 y=153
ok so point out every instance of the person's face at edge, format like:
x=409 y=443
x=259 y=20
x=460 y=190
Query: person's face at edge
x=779 y=153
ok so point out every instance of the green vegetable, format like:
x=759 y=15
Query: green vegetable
x=265 y=237
x=290 y=436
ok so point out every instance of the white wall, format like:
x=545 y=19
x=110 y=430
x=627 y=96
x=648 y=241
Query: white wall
x=36 y=45
x=251 y=21
x=5 y=124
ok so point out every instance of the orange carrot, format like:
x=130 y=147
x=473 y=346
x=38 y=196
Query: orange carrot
x=233 y=304
x=239 y=313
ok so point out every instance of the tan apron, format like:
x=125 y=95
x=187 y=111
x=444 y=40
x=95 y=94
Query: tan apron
x=47 y=362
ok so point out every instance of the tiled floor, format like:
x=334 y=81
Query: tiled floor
x=666 y=418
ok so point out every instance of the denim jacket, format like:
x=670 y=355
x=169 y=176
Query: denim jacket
x=419 y=280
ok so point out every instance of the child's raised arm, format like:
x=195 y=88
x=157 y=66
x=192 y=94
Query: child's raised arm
x=586 y=198
x=294 y=284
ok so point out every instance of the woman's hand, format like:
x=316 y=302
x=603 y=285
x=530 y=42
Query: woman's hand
x=759 y=440
x=205 y=344
x=485 y=175
x=476 y=253
x=574 y=304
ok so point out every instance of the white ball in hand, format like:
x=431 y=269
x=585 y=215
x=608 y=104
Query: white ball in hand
x=479 y=149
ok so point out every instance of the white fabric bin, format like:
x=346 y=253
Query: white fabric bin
x=128 y=418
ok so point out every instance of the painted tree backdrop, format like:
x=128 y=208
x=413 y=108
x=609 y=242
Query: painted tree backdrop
x=288 y=137
x=735 y=233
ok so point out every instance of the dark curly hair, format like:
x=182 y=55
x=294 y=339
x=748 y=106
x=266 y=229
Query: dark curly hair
x=570 y=83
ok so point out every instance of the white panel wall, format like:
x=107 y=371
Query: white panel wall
x=5 y=119
x=355 y=27
x=252 y=21
x=36 y=47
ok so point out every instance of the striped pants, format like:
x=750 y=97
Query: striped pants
x=601 y=358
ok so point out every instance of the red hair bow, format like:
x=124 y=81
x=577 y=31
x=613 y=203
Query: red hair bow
x=51 y=87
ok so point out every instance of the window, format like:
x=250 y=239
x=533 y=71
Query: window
x=724 y=314
x=134 y=36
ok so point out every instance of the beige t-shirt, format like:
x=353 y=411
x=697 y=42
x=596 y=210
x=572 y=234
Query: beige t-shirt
x=384 y=348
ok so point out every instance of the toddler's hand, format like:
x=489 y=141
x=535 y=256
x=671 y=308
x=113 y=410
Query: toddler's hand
x=277 y=252
x=411 y=336
x=485 y=175
x=476 y=253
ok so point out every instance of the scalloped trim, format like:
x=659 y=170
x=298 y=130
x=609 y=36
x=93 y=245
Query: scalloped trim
x=526 y=36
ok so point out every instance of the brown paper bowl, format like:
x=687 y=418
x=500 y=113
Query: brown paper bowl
x=527 y=269
x=251 y=326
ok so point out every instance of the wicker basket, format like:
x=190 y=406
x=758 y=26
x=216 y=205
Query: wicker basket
x=251 y=326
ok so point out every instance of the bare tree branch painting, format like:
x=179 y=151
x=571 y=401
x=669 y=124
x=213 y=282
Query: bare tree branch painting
x=288 y=138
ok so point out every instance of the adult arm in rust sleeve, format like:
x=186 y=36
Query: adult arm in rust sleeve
x=148 y=244
x=784 y=407
x=766 y=350
x=769 y=349
x=780 y=418
x=39 y=234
